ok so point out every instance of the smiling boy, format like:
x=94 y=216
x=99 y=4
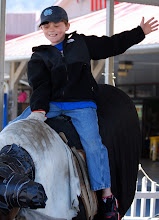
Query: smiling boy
x=62 y=82
x=55 y=32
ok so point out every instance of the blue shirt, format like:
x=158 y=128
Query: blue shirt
x=72 y=105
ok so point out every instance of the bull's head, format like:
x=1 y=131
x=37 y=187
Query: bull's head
x=17 y=186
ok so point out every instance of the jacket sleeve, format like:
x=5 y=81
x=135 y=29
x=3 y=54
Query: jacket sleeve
x=104 y=47
x=39 y=80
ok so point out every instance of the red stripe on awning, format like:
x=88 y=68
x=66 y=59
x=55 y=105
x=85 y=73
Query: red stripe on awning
x=96 y=4
x=100 y=4
x=92 y=5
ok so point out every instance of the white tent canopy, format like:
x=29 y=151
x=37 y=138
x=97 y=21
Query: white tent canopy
x=145 y=2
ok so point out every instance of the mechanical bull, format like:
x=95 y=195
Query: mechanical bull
x=39 y=171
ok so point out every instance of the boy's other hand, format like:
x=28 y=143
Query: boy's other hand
x=38 y=115
x=149 y=26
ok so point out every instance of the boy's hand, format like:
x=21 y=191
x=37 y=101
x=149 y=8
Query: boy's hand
x=149 y=26
x=38 y=115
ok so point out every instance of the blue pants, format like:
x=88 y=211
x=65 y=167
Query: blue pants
x=85 y=122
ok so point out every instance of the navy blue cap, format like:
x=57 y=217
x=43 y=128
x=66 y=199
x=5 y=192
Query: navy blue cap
x=54 y=14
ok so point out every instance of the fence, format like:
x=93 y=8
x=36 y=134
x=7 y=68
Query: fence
x=145 y=200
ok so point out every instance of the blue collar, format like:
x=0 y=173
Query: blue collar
x=59 y=46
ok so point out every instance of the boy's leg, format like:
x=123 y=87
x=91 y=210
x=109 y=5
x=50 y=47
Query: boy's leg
x=86 y=123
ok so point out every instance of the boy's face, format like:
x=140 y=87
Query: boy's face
x=55 y=32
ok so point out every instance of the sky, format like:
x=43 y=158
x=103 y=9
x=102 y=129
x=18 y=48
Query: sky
x=27 y=5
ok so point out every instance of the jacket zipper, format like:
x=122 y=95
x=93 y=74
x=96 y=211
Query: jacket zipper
x=63 y=56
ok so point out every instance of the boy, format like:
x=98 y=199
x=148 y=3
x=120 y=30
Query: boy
x=62 y=82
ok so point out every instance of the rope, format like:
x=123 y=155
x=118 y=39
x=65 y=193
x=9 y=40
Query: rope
x=142 y=170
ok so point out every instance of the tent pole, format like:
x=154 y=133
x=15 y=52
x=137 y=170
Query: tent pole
x=109 y=62
x=2 y=45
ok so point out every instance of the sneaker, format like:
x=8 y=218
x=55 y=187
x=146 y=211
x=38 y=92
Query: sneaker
x=109 y=209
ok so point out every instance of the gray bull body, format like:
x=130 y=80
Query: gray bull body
x=54 y=167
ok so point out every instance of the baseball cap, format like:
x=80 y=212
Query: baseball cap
x=54 y=14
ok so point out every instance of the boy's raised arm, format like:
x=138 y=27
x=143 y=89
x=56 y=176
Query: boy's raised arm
x=149 y=26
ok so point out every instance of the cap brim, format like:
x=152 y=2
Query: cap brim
x=56 y=20
x=45 y=22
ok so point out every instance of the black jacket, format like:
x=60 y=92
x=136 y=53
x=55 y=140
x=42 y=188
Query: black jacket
x=54 y=77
